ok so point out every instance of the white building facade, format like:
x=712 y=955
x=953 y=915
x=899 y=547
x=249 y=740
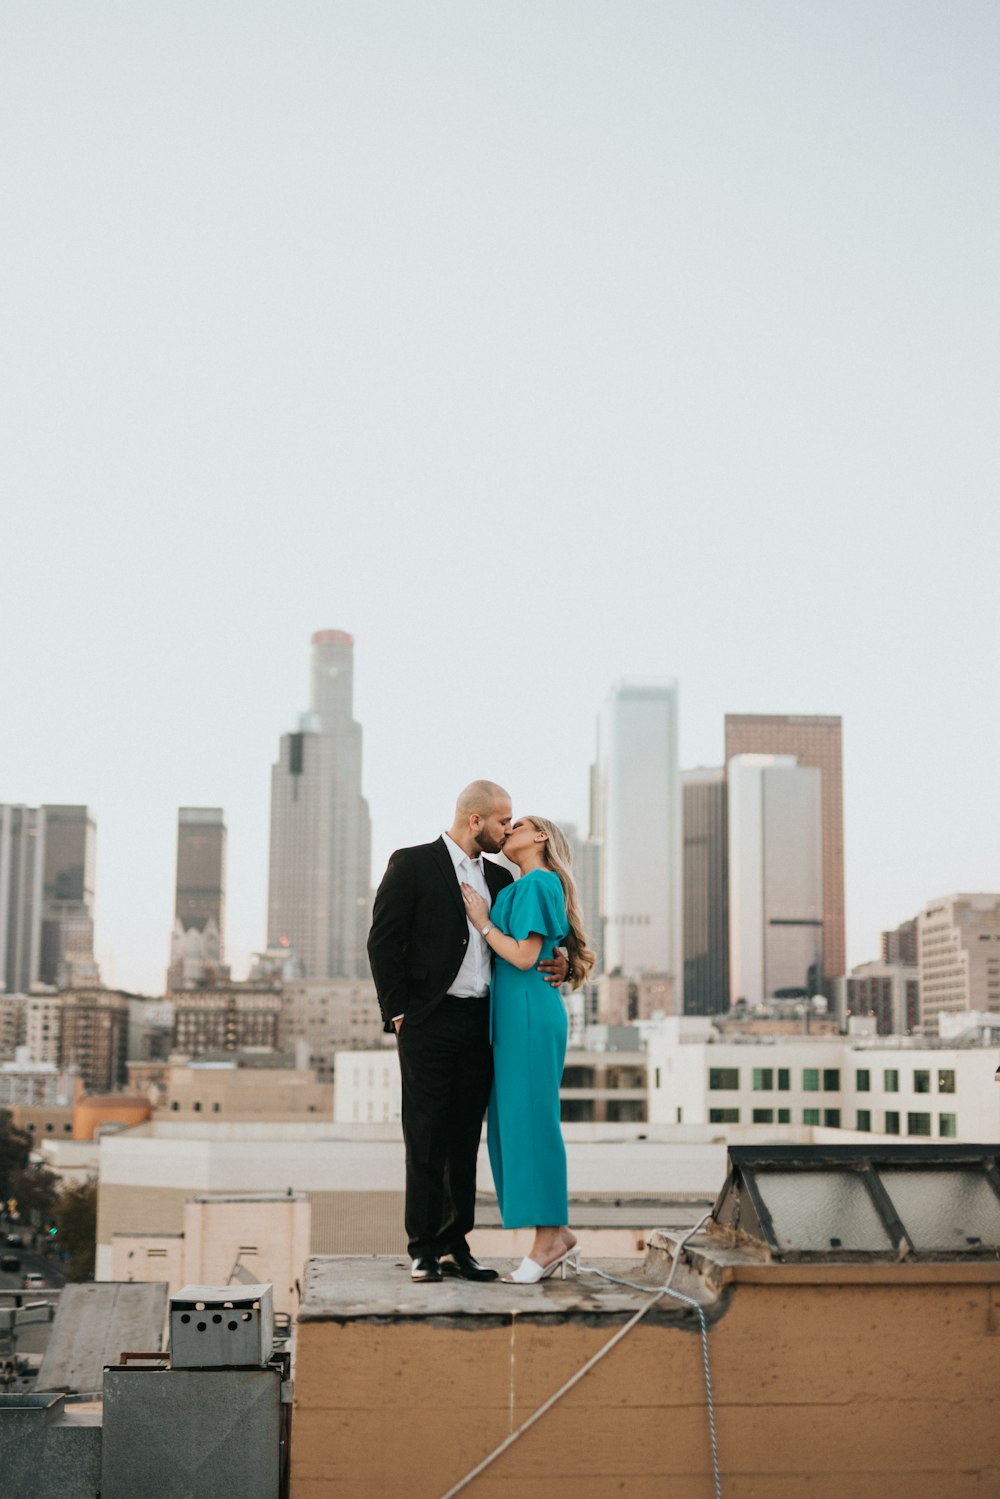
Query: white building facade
x=889 y=1086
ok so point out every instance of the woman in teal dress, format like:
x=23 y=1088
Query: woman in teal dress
x=529 y=920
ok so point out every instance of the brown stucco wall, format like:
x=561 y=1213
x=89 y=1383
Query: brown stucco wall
x=853 y=1391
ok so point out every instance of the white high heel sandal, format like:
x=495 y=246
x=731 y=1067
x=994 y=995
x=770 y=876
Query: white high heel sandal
x=529 y=1272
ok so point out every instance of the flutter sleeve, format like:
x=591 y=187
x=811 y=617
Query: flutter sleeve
x=538 y=906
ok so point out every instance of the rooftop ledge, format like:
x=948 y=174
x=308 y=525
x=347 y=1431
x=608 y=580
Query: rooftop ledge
x=349 y=1288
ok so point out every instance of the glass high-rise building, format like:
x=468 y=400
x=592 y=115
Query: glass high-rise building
x=638 y=805
x=46 y=896
x=706 y=892
x=22 y=858
x=814 y=740
x=319 y=890
x=67 y=940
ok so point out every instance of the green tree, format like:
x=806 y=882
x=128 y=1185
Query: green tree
x=15 y=1148
x=76 y=1218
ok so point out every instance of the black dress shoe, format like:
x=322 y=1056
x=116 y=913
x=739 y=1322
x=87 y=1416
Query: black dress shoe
x=461 y=1262
x=425 y=1267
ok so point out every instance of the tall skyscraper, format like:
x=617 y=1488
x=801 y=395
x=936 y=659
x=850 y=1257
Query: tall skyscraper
x=639 y=825
x=22 y=861
x=197 y=945
x=46 y=896
x=814 y=740
x=706 y=892
x=67 y=941
x=320 y=868
x=775 y=878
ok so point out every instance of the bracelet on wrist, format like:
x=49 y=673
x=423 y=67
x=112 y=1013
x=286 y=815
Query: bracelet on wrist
x=484 y=931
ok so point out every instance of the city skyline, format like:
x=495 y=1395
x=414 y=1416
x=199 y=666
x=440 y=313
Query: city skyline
x=534 y=349
x=213 y=820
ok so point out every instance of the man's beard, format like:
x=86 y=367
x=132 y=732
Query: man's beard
x=488 y=843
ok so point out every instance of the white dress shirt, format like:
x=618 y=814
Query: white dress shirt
x=472 y=980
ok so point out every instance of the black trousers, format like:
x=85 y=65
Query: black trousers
x=447 y=1069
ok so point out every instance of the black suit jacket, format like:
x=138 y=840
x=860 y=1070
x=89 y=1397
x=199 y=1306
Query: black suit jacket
x=420 y=930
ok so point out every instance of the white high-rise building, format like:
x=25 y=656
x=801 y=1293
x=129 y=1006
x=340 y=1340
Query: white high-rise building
x=775 y=878
x=320 y=867
x=959 y=949
x=638 y=805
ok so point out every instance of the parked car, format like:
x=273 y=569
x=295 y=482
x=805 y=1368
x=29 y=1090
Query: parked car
x=15 y=1239
x=10 y=1262
x=34 y=1282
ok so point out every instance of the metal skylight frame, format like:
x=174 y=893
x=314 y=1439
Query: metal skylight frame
x=741 y=1211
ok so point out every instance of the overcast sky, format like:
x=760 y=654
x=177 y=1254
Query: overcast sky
x=536 y=344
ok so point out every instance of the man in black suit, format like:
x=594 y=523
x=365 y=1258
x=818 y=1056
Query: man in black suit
x=432 y=974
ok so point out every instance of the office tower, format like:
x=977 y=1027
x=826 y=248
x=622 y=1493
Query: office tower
x=887 y=991
x=95 y=1037
x=67 y=938
x=46 y=896
x=775 y=878
x=227 y=1019
x=814 y=740
x=22 y=858
x=639 y=826
x=706 y=892
x=902 y=944
x=198 y=940
x=320 y=866
x=959 y=938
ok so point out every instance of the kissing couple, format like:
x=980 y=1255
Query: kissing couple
x=468 y=963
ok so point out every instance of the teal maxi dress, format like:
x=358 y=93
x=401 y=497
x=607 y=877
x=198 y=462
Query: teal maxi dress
x=529 y=1027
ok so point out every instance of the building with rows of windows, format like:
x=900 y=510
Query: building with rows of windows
x=882 y=1085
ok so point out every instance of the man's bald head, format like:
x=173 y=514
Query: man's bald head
x=481 y=797
x=482 y=818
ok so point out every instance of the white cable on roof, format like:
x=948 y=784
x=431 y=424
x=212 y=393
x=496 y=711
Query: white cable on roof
x=654 y=1297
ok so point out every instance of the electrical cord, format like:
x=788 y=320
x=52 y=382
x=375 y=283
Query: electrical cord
x=655 y=1295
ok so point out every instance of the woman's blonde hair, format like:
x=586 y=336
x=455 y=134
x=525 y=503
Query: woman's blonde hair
x=559 y=859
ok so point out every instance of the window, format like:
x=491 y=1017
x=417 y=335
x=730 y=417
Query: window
x=723 y=1116
x=810 y=1116
x=831 y=1079
x=196 y=1106
x=724 y=1079
x=215 y=1108
x=863 y=1082
x=890 y=1080
x=946 y=1081
x=948 y=1126
x=784 y=1081
x=763 y=1116
x=921 y=1081
x=763 y=1079
x=784 y=1116
x=918 y=1124
x=174 y=1105
x=891 y=1122
x=810 y=1080
x=831 y=1118
x=863 y=1119
x=657 y=1083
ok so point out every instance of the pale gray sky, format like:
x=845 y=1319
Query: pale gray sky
x=534 y=343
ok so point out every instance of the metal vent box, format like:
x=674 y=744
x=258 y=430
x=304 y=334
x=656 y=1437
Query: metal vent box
x=216 y=1327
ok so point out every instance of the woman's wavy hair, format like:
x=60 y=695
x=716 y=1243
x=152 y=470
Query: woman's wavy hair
x=559 y=859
